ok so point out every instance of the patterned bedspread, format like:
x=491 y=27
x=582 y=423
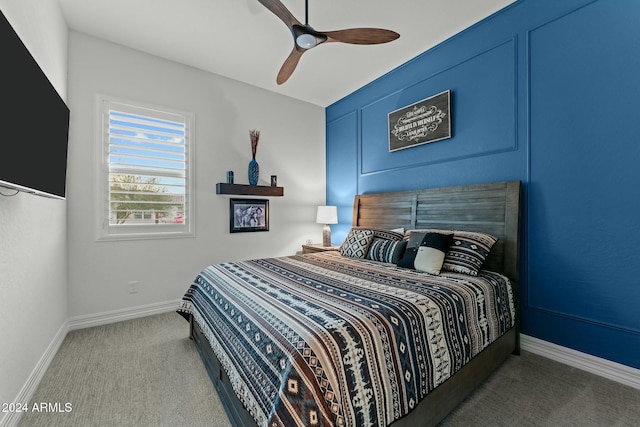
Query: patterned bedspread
x=325 y=340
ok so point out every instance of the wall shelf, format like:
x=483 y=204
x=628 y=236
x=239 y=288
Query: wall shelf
x=249 y=190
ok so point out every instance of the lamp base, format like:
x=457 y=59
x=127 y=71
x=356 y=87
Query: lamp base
x=326 y=236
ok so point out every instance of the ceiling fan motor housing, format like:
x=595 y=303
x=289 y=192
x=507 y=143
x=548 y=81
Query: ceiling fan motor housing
x=306 y=37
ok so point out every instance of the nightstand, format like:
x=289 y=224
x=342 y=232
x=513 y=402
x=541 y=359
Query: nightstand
x=317 y=247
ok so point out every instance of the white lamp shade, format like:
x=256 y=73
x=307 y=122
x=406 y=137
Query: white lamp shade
x=327 y=215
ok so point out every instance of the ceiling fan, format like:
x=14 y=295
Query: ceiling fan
x=305 y=37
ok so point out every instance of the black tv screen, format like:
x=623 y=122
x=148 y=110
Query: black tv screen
x=34 y=123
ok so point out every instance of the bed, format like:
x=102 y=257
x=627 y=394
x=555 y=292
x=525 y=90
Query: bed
x=328 y=339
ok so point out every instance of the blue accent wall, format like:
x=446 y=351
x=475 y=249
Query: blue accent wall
x=546 y=92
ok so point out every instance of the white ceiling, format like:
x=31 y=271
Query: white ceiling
x=242 y=40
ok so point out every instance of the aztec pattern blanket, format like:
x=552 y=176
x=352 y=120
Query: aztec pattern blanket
x=325 y=340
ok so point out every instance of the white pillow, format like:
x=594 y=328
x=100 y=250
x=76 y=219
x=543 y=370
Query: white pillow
x=429 y=260
x=431 y=253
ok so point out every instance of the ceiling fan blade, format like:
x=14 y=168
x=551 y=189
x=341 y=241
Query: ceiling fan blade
x=361 y=36
x=305 y=37
x=278 y=9
x=289 y=64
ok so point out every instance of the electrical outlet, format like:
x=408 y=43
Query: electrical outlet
x=133 y=286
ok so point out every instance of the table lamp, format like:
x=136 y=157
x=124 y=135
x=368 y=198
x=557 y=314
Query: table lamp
x=327 y=215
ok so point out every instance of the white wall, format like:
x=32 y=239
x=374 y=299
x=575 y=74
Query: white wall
x=33 y=253
x=292 y=146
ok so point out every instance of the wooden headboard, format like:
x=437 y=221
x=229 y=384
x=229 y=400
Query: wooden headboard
x=489 y=208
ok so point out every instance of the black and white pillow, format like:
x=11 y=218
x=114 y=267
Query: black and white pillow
x=383 y=233
x=413 y=240
x=431 y=253
x=426 y=251
x=385 y=250
x=413 y=243
x=356 y=245
x=467 y=252
x=408 y=258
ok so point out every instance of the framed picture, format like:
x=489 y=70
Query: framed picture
x=425 y=121
x=248 y=215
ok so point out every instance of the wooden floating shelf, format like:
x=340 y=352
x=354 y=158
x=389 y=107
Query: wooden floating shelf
x=249 y=190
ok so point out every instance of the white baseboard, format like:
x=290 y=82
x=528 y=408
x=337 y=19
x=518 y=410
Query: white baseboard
x=605 y=368
x=113 y=316
x=26 y=393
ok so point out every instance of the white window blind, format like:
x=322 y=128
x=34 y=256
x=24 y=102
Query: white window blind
x=146 y=171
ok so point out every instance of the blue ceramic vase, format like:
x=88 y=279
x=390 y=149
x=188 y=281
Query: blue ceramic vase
x=254 y=172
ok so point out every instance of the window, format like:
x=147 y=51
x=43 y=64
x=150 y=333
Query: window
x=145 y=171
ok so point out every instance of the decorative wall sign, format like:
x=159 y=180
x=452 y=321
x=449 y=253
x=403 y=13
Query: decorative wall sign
x=425 y=121
x=248 y=215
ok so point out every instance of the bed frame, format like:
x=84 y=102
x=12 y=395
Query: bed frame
x=492 y=208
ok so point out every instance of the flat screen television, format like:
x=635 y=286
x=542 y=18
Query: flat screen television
x=34 y=122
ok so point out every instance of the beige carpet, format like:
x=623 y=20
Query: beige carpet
x=147 y=372
x=142 y=372
x=529 y=390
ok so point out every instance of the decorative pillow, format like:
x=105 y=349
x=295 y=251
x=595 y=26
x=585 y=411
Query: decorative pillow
x=413 y=243
x=382 y=233
x=467 y=252
x=431 y=253
x=356 y=245
x=408 y=258
x=414 y=238
x=385 y=250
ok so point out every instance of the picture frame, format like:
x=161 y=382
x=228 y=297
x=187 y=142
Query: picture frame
x=248 y=215
x=422 y=122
